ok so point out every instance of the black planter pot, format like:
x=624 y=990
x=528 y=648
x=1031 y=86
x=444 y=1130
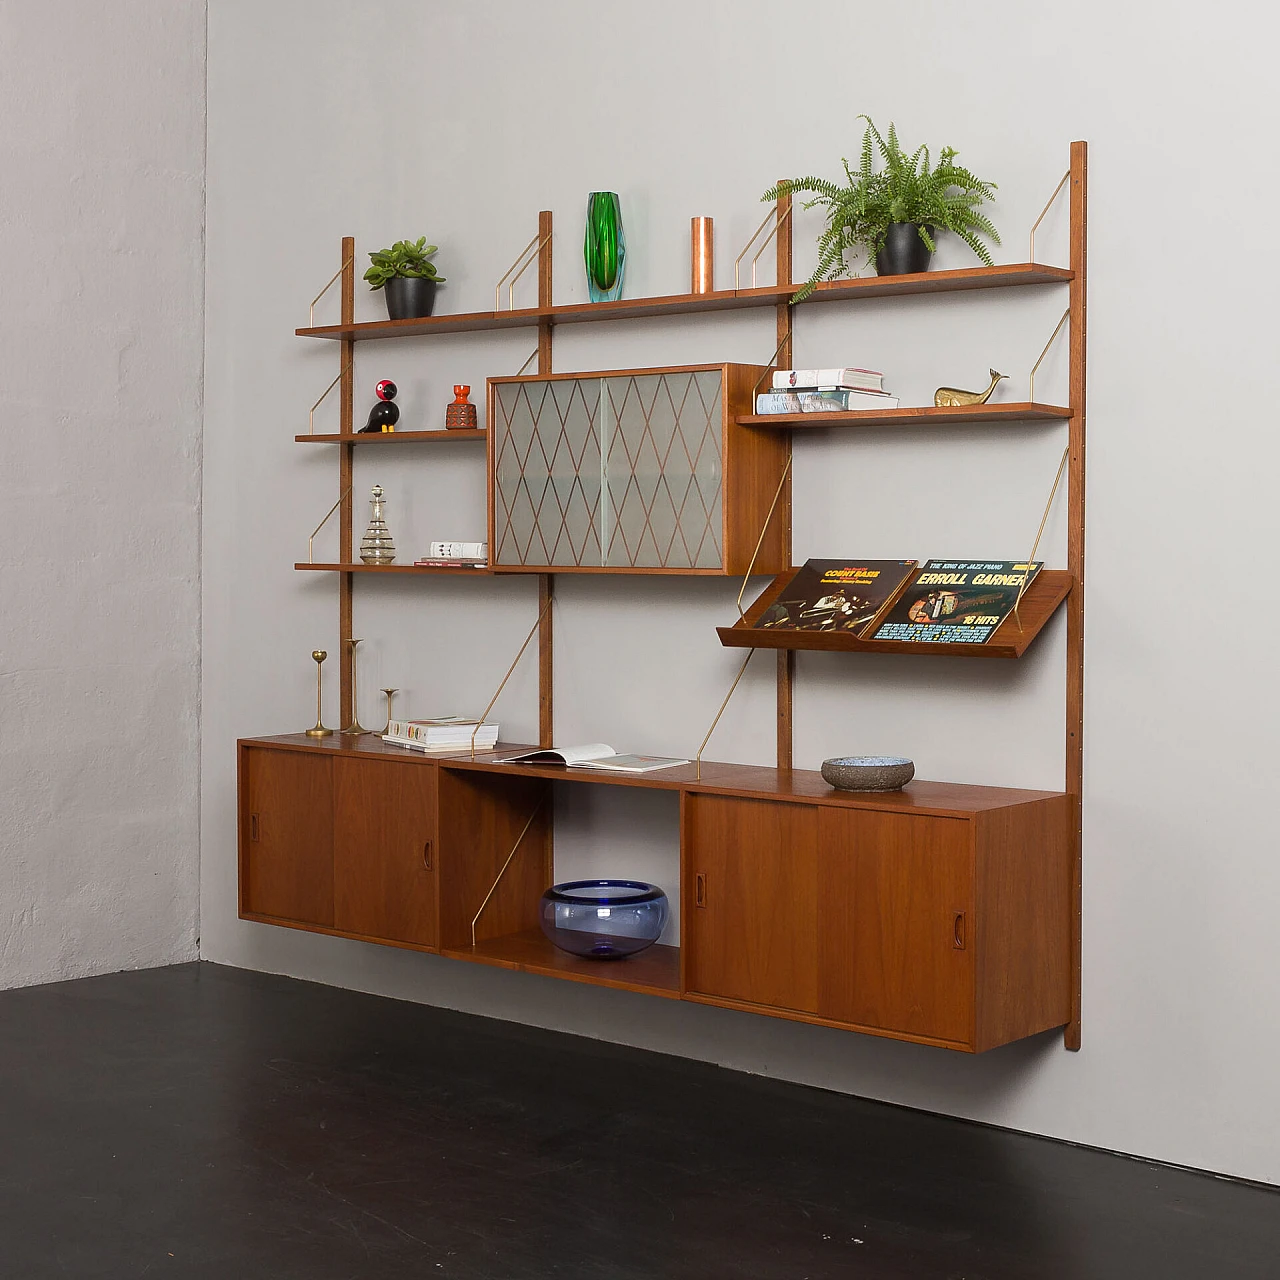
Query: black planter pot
x=904 y=253
x=409 y=297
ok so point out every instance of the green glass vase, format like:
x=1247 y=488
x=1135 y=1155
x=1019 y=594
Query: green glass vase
x=605 y=249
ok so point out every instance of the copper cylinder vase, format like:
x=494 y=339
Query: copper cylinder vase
x=702 y=254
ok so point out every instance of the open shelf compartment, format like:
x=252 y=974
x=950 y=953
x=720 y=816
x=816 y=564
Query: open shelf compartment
x=654 y=971
x=1012 y=638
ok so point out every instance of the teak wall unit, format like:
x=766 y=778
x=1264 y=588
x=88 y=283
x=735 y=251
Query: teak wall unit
x=946 y=914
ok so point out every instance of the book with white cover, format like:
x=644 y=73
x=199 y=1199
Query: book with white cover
x=444 y=733
x=458 y=551
x=827 y=379
x=593 y=755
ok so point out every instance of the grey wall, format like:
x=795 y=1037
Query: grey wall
x=101 y=301
x=461 y=122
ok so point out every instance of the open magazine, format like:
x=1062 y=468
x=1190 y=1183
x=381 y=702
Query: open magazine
x=594 y=755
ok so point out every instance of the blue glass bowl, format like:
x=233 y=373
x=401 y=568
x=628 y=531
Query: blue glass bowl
x=603 y=919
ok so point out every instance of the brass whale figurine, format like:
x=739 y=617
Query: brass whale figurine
x=954 y=396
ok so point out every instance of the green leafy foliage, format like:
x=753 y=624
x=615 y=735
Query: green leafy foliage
x=906 y=188
x=404 y=258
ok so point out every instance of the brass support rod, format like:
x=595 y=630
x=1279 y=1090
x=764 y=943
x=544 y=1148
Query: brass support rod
x=747 y=249
x=777 y=227
x=333 y=280
x=778 y=220
x=311 y=417
x=524 y=260
x=777 y=351
x=533 y=632
x=1057 y=191
x=533 y=356
x=1031 y=392
x=1044 y=519
x=325 y=521
x=697 y=760
x=773 y=506
x=475 y=919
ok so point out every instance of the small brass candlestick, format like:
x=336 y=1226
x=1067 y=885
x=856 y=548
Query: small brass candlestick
x=319 y=731
x=355 y=726
x=389 y=693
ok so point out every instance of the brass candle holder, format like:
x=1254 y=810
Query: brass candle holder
x=389 y=693
x=319 y=731
x=355 y=727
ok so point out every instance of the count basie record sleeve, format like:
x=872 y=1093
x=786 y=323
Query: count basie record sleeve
x=957 y=601
x=835 y=595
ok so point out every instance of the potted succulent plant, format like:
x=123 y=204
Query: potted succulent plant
x=408 y=276
x=894 y=213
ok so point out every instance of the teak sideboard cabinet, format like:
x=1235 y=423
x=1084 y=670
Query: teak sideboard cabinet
x=935 y=915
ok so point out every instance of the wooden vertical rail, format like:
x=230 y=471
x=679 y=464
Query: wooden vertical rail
x=1075 y=563
x=786 y=360
x=544 y=289
x=546 y=582
x=346 y=460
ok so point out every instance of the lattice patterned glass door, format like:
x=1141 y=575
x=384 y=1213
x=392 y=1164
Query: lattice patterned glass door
x=547 y=465
x=664 y=484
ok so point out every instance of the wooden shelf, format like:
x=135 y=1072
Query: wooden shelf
x=397 y=568
x=655 y=972
x=1012 y=638
x=394 y=437
x=915 y=415
x=965 y=280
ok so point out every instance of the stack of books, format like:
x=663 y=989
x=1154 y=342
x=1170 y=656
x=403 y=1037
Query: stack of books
x=444 y=733
x=456 y=555
x=825 y=391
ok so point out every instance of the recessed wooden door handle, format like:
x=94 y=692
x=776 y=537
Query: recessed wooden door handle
x=957 y=935
x=253 y=826
x=700 y=890
x=426 y=855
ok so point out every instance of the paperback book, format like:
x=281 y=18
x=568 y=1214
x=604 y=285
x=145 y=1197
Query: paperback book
x=956 y=601
x=836 y=595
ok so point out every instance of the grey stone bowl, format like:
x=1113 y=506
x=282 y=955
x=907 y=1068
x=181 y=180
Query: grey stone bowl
x=869 y=773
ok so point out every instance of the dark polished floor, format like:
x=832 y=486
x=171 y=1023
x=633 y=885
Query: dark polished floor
x=205 y=1122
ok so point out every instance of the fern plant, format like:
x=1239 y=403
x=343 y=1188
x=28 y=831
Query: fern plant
x=410 y=258
x=941 y=197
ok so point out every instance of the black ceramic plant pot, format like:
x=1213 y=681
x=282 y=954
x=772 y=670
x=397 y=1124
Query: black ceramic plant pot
x=409 y=297
x=904 y=253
